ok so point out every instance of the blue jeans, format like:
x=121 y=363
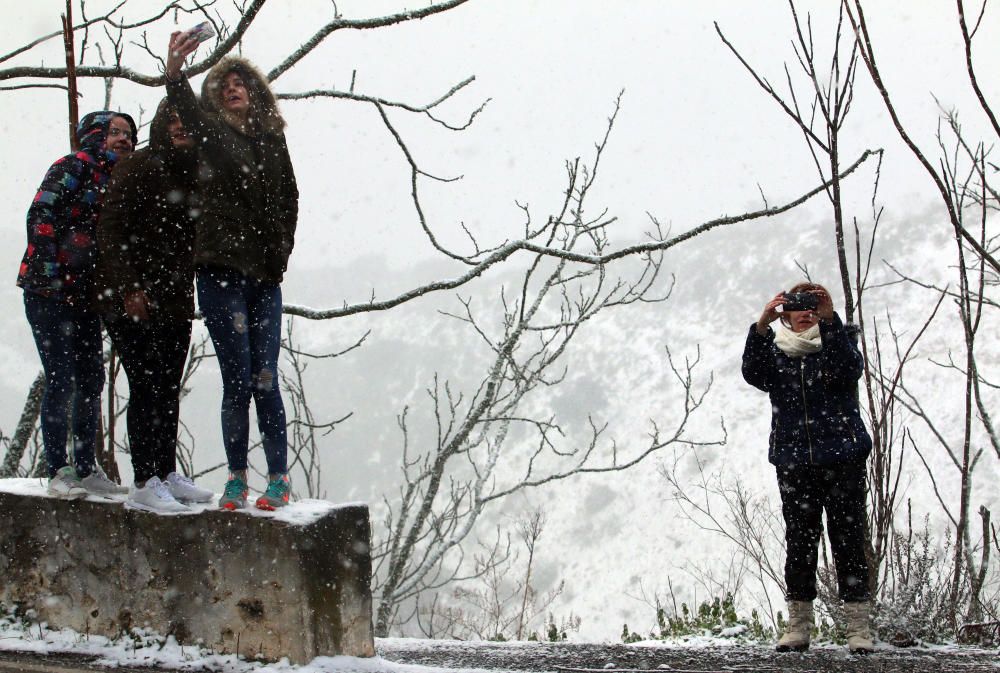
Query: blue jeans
x=243 y=317
x=70 y=346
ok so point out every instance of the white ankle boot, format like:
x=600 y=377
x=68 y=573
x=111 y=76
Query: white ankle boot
x=859 y=635
x=799 y=627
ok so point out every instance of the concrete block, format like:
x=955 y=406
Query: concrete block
x=293 y=584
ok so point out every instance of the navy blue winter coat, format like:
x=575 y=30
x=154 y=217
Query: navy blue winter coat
x=815 y=418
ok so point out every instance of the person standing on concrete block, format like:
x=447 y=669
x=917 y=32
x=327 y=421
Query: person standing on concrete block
x=145 y=291
x=56 y=275
x=244 y=238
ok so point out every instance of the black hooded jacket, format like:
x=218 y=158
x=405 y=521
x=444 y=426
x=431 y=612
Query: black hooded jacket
x=146 y=230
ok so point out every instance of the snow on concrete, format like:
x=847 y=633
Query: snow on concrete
x=299 y=513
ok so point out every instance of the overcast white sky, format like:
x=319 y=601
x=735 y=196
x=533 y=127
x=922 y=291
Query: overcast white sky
x=695 y=137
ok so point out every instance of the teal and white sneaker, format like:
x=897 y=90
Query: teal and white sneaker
x=276 y=495
x=66 y=483
x=234 y=496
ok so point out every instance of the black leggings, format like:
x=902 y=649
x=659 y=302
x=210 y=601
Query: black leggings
x=806 y=490
x=153 y=354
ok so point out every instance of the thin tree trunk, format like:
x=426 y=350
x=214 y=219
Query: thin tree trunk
x=527 y=590
x=975 y=609
x=74 y=110
x=25 y=428
x=105 y=446
x=838 y=221
x=965 y=496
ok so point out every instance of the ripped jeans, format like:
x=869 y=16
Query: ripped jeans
x=243 y=317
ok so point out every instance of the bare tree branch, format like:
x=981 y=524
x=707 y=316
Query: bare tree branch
x=509 y=249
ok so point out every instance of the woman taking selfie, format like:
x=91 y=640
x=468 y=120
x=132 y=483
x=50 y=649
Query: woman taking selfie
x=244 y=236
x=804 y=359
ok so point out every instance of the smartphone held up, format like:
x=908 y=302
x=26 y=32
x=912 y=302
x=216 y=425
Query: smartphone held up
x=800 y=301
x=202 y=32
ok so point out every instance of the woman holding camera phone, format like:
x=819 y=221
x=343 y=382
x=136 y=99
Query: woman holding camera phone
x=810 y=367
x=244 y=236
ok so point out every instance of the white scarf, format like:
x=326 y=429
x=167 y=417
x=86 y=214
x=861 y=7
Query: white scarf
x=797 y=344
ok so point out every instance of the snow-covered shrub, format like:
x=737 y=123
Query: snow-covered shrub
x=717 y=617
x=915 y=603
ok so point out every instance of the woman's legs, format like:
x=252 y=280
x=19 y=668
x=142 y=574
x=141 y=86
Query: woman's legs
x=806 y=490
x=802 y=509
x=264 y=306
x=70 y=348
x=846 y=517
x=153 y=355
x=222 y=302
x=243 y=317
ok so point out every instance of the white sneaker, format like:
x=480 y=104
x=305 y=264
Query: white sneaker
x=185 y=490
x=66 y=484
x=97 y=483
x=154 y=497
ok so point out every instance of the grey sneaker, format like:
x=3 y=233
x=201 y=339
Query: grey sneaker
x=154 y=497
x=234 y=496
x=276 y=494
x=97 y=483
x=66 y=484
x=184 y=489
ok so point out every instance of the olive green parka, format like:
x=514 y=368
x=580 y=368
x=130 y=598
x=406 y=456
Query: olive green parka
x=249 y=194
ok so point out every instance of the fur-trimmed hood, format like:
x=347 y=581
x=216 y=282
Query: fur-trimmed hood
x=264 y=114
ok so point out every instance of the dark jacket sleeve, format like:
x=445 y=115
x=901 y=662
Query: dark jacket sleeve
x=288 y=205
x=758 y=360
x=115 y=238
x=841 y=361
x=47 y=223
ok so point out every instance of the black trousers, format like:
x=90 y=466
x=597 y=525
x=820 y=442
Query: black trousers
x=806 y=491
x=153 y=354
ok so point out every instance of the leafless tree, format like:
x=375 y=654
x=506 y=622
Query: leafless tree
x=829 y=95
x=856 y=15
x=304 y=429
x=967 y=195
x=475 y=462
x=502 y=602
x=18 y=444
x=972 y=558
